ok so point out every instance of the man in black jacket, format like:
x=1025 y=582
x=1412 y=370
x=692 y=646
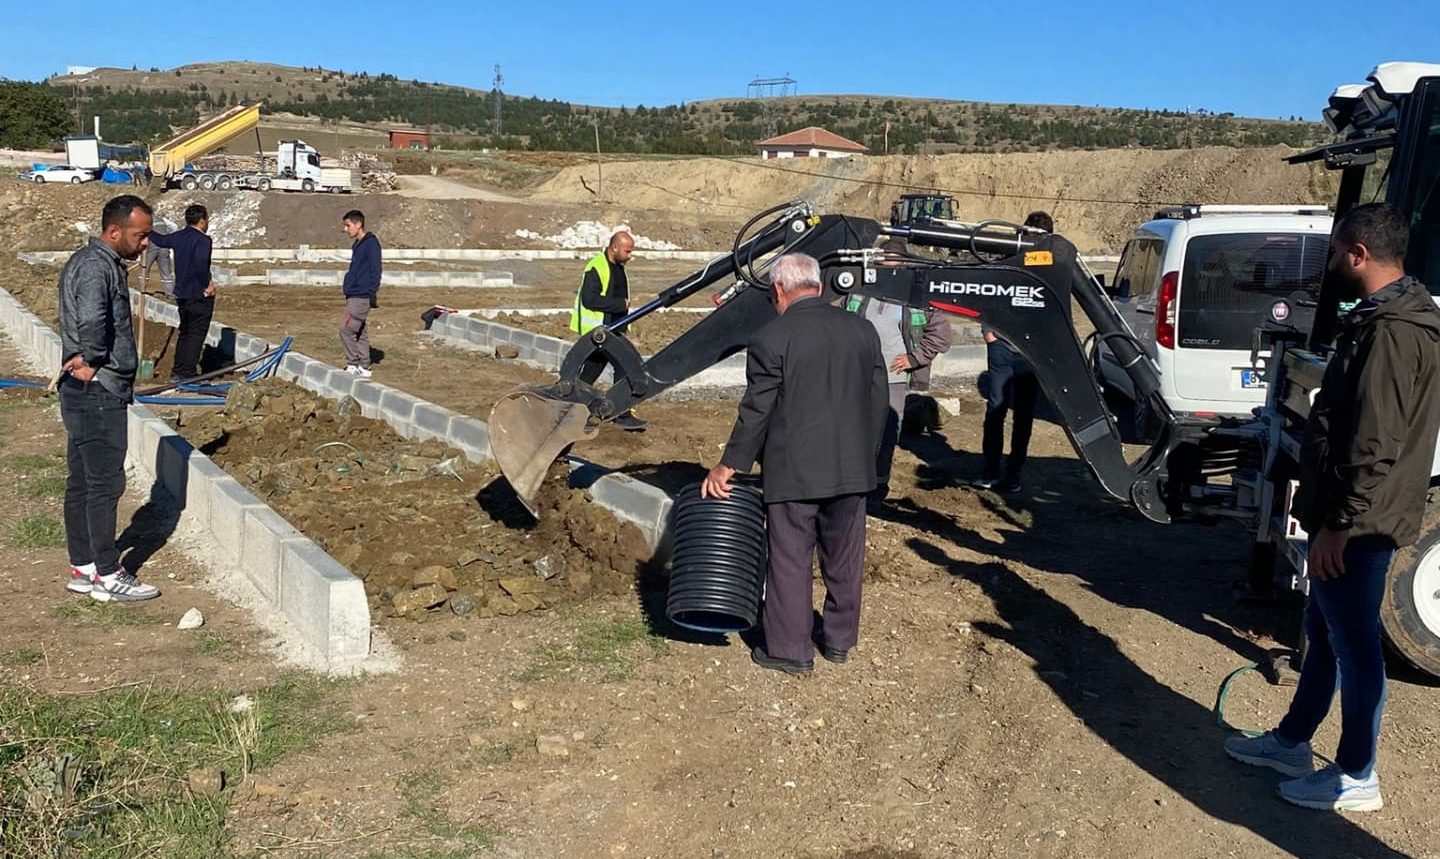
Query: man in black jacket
x=1364 y=473
x=815 y=403
x=96 y=386
x=194 y=291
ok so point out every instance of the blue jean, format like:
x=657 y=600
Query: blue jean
x=1342 y=626
x=1012 y=387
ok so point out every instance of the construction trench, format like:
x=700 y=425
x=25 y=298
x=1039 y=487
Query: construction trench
x=400 y=492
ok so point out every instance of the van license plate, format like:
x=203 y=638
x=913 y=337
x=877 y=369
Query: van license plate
x=1251 y=379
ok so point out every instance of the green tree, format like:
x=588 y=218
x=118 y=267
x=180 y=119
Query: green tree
x=31 y=115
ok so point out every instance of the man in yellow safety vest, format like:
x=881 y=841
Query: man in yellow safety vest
x=603 y=297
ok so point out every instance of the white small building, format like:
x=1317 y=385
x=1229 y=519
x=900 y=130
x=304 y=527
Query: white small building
x=812 y=142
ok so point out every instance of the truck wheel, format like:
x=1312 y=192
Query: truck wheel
x=1410 y=611
x=307 y=186
x=263 y=184
x=207 y=182
x=223 y=183
x=188 y=183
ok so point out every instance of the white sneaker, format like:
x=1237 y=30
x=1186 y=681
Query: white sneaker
x=363 y=372
x=121 y=586
x=1331 y=789
x=80 y=582
x=1267 y=751
x=351 y=369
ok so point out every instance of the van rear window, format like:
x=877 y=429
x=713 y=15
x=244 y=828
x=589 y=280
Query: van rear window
x=1229 y=283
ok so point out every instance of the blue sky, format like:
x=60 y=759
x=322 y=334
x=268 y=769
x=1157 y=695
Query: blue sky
x=1255 y=58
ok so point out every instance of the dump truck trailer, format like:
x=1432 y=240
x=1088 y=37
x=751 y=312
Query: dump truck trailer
x=297 y=163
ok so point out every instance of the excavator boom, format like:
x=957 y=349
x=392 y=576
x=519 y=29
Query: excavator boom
x=1020 y=284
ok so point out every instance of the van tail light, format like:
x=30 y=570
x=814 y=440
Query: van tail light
x=1165 y=310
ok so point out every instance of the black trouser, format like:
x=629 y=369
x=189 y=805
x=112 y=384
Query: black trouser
x=1012 y=387
x=195 y=316
x=795 y=529
x=594 y=366
x=94 y=421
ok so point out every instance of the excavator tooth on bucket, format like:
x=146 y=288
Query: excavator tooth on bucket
x=529 y=430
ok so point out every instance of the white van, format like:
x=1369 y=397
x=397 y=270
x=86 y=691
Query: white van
x=1195 y=282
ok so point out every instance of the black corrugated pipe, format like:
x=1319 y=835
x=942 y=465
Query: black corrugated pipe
x=717 y=568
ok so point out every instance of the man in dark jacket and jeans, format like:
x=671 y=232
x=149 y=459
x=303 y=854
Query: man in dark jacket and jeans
x=194 y=291
x=1364 y=474
x=96 y=385
x=813 y=410
x=361 y=288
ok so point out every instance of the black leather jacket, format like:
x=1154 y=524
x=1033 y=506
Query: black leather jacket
x=95 y=317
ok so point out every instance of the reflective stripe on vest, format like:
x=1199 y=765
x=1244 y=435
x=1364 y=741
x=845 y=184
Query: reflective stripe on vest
x=912 y=322
x=582 y=318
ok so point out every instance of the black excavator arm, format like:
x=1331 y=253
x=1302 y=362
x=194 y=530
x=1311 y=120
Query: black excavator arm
x=1020 y=285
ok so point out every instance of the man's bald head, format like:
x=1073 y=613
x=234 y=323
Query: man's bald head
x=621 y=246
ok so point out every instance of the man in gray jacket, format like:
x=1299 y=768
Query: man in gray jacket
x=96 y=385
x=1364 y=474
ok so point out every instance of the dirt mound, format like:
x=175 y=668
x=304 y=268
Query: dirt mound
x=1071 y=184
x=424 y=528
x=52 y=217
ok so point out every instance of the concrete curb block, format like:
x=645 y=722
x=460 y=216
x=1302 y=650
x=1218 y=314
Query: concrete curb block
x=962 y=364
x=648 y=507
x=436 y=279
x=645 y=506
x=328 y=607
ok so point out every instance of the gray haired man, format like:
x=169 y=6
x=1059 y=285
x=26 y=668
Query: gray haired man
x=815 y=403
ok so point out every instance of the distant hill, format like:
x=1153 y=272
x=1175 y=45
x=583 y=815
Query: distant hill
x=146 y=106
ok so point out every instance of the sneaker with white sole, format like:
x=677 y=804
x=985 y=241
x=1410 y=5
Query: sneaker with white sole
x=80 y=582
x=122 y=586
x=1266 y=750
x=351 y=368
x=363 y=372
x=1330 y=789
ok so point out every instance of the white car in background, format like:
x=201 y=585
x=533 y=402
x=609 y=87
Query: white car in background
x=62 y=173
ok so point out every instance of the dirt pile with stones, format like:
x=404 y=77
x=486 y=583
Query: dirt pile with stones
x=426 y=529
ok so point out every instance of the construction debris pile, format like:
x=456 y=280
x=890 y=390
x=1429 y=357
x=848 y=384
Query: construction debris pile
x=594 y=234
x=234 y=223
x=426 y=529
x=377 y=177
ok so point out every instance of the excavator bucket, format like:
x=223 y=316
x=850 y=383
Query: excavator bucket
x=529 y=430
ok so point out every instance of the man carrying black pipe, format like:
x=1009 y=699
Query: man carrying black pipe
x=815 y=403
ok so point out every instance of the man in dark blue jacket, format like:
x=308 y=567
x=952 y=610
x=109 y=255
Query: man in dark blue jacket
x=194 y=291
x=362 y=285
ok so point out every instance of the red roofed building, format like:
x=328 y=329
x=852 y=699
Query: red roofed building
x=812 y=142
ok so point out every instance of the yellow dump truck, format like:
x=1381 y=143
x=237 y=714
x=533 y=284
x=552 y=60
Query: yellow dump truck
x=297 y=163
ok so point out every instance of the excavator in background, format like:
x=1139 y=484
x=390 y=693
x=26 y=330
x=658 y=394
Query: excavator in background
x=1021 y=284
x=912 y=209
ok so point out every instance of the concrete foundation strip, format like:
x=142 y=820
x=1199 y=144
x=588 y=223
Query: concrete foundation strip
x=961 y=365
x=639 y=503
x=321 y=599
x=305 y=253
x=322 y=602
